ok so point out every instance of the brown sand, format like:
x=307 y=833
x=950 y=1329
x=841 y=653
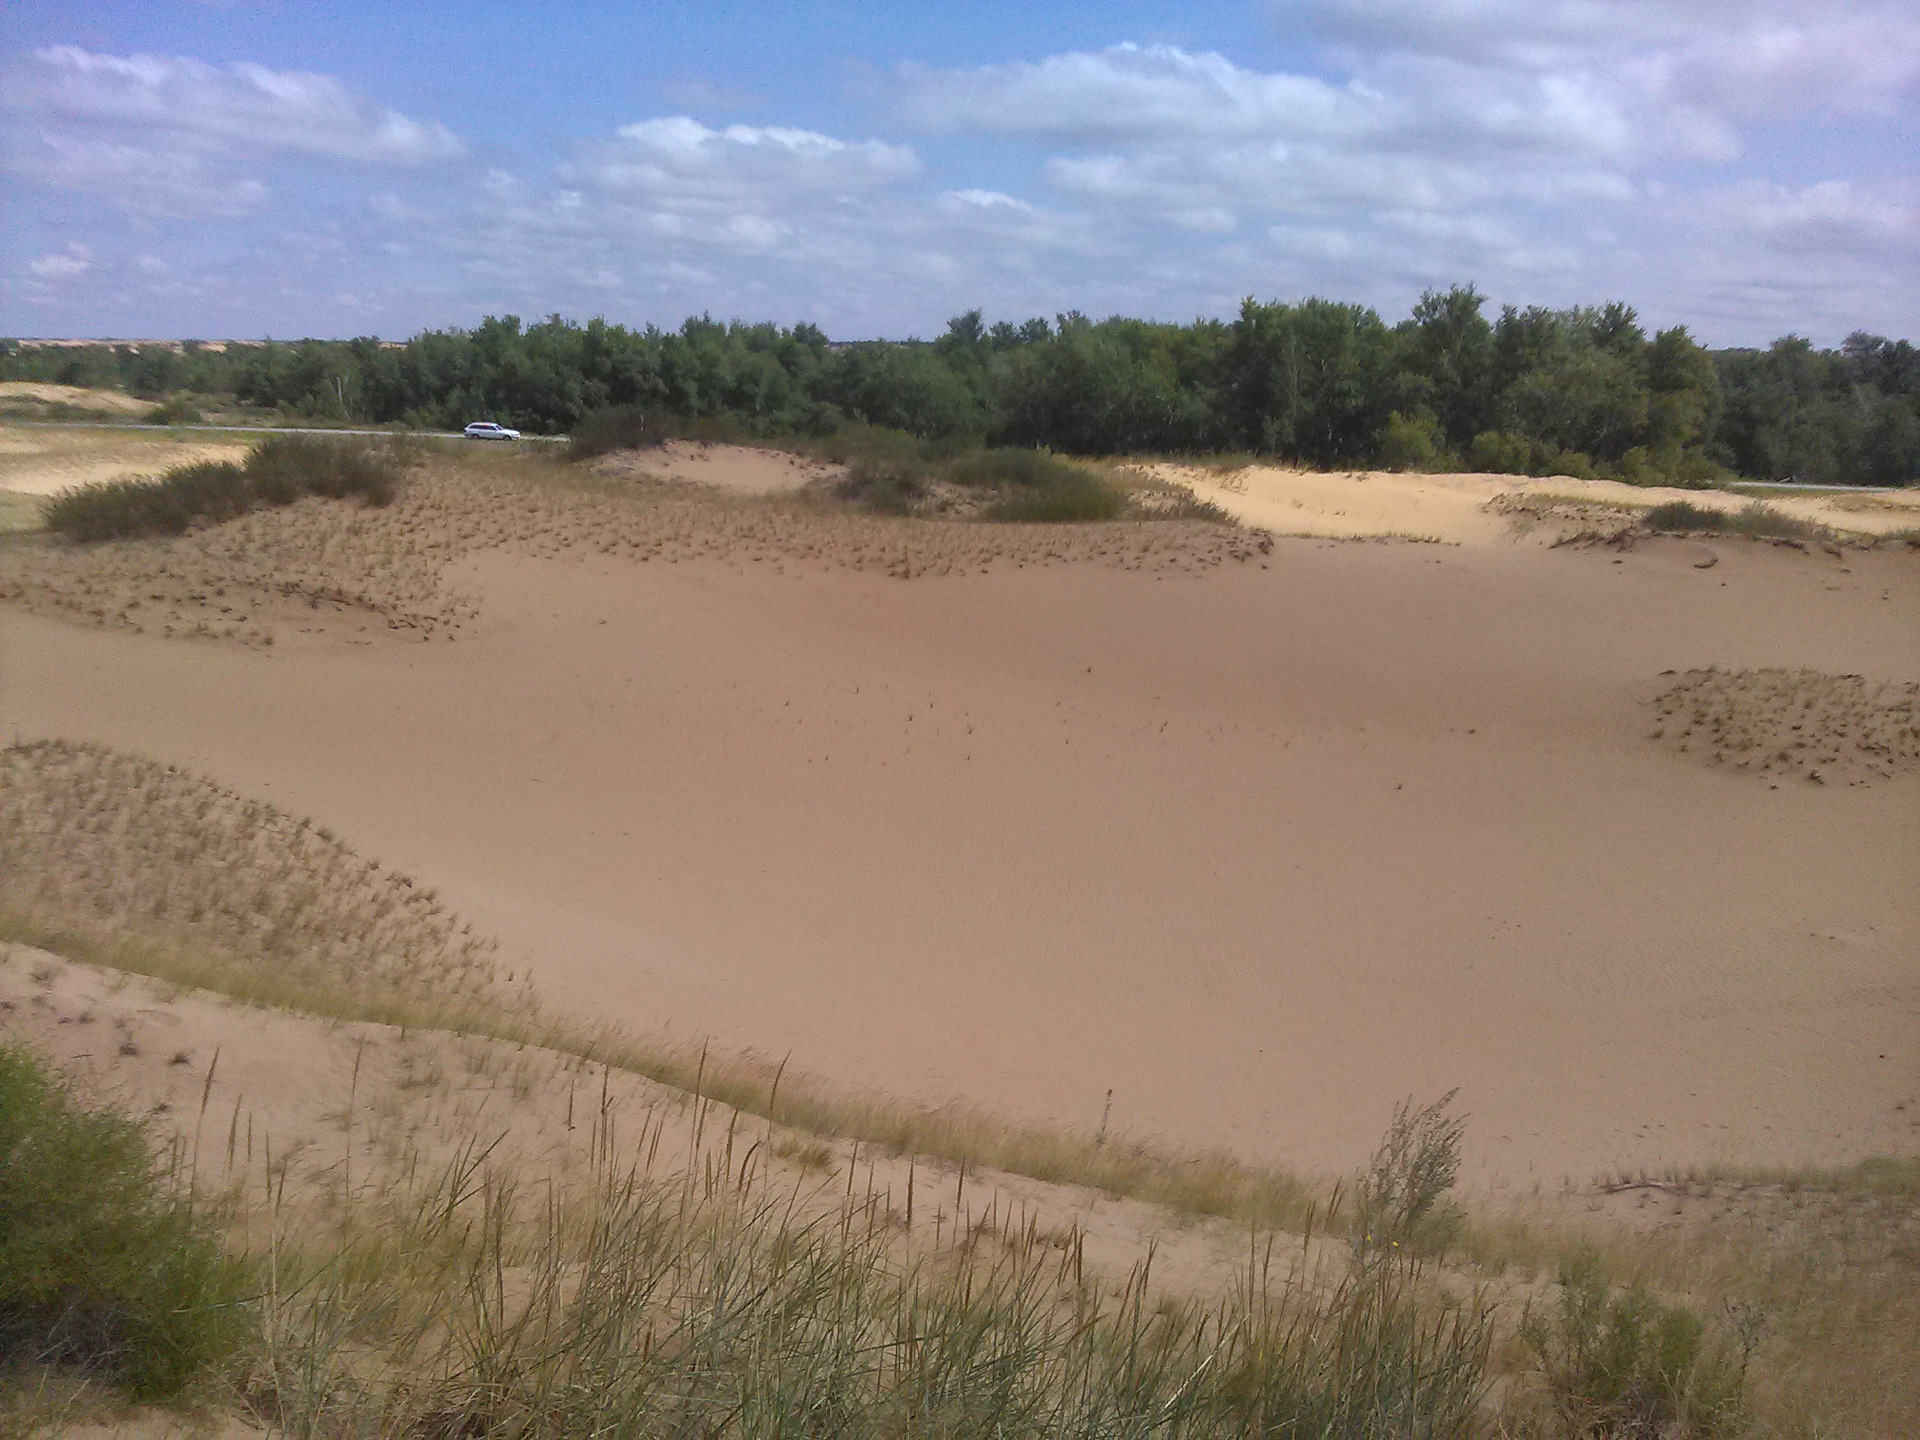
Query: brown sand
x=44 y=462
x=1263 y=846
x=1486 y=509
x=33 y=395
x=737 y=469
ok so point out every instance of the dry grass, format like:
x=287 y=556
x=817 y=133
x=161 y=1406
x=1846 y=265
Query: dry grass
x=116 y=851
x=1798 y=724
x=319 y=561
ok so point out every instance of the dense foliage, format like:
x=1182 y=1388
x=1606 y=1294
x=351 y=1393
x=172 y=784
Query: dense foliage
x=1582 y=391
x=104 y=1263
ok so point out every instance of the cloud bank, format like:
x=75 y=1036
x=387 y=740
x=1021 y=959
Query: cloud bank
x=1715 y=163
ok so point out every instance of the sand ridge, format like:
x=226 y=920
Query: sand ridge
x=1478 y=509
x=327 y=569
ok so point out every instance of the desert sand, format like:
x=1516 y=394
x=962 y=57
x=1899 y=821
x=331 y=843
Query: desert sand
x=736 y=469
x=46 y=461
x=1262 y=838
x=1473 y=509
x=78 y=397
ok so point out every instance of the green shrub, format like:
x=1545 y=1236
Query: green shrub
x=889 y=489
x=618 y=427
x=1501 y=452
x=1624 y=1363
x=1413 y=442
x=1682 y=516
x=104 y=1264
x=279 y=471
x=1756 y=519
x=177 y=411
x=1078 y=500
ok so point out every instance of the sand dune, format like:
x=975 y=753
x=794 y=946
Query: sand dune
x=738 y=469
x=1263 y=847
x=1489 y=509
x=44 y=462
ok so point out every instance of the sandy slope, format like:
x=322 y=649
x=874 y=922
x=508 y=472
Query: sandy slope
x=79 y=397
x=43 y=462
x=737 y=469
x=1263 y=850
x=1473 y=509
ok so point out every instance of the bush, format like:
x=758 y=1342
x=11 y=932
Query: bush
x=1755 y=519
x=1682 y=516
x=1623 y=1363
x=1413 y=442
x=177 y=411
x=279 y=471
x=1501 y=452
x=103 y=1263
x=889 y=489
x=619 y=427
x=1080 y=501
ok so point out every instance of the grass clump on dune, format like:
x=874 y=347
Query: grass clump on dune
x=105 y=1263
x=278 y=471
x=1756 y=520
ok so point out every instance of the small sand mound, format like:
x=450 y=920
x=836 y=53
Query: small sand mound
x=1827 y=729
x=100 y=841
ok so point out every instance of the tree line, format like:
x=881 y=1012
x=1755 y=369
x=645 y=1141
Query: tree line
x=1584 y=391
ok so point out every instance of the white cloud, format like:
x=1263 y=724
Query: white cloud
x=1195 y=141
x=1736 y=57
x=679 y=160
x=180 y=136
x=76 y=261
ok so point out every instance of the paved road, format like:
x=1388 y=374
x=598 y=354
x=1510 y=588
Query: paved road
x=250 y=429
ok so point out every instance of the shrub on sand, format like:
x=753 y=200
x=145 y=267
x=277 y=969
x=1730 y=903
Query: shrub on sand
x=1624 y=1363
x=278 y=471
x=616 y=427
x=1757 y=520
x=104 y=1263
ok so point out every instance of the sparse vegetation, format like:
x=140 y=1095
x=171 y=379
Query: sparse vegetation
x=664 y=1302
x=1622 y=1362
x=178 y=410
x=279 y=471
x=1756 y=519
x=106 y=1262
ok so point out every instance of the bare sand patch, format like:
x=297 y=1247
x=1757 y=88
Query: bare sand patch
x=736 y=469
x=44 y=462
x=72 y=397
x=1474 y=509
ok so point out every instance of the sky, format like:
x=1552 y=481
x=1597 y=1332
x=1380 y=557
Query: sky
x=178 y=168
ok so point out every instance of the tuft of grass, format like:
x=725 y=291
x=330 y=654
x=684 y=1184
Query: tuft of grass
x=1756 y=519
x=1623 y=1362
x=716 y=1299
x=105 y=1263
x=277 y=472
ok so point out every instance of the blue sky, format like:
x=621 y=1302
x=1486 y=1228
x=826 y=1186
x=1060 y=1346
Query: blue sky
x=1747 y=167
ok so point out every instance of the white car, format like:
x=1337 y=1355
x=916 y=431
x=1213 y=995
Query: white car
x=487 y=430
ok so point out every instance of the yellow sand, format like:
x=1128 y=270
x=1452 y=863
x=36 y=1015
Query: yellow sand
x=1464 y=509
x=36 y=461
